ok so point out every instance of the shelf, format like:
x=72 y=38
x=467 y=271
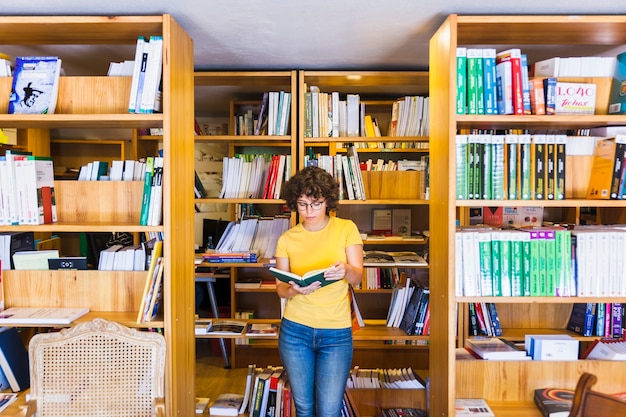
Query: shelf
x=541 y=203
x=540 y=300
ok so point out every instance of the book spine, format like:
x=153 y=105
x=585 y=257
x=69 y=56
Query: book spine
x=461 y=167
x=560 y=164
x=526 y=173
x=550 y=167
x=475 y=103
x=539 y=162
x=620 y=156
x=147 y=188
x=497 y=167
x=511 y=170
x=461 y=80
x=525 y=84
x=549 y=90
x=489 y=81
x=537 y=97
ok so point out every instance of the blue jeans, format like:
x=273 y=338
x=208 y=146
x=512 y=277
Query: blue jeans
x=318 y=363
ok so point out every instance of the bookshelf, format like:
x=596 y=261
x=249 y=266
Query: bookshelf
x=219 y=97
x=506 y=385
x=115 y=206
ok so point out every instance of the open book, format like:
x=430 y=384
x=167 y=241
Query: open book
x=304 y=280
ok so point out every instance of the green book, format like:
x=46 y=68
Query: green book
x=534 y=263
x=496 y=264
x=517 y=263
x=475 y=88
x=510 y=170
x=485 y=252
x=550 y=263
x=461 y=80
x=498 y=167
x=543 y=264
x=302 y=280
x=147 y=188
x=525 y=167
x=525 y=238
x=505 y=263
x=486 y=167
x=461 y=167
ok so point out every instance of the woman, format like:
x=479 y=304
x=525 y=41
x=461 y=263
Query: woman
x=315 y=339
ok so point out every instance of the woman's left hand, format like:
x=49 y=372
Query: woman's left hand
x=336 y=272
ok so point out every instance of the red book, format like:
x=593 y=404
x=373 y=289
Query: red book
x=514 y=56
x=426 y=329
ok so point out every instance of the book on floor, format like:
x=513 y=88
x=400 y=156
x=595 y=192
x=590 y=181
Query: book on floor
x=226 y=404
x=302 y=280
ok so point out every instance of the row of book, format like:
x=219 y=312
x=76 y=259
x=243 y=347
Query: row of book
x=255 y=176
x=597 y=319
x=409 y=309
x=574 y=66
x=120 y=170
x=547 y=261
x=123 y=258
x=26 y=189
x=330 y=115
x=394 y=378
x=145 y=90
x=152 y=197
x=272 y=117
x=35 y=85
x=346 y=169
x=256 y=235
x=484 y=320
x=491 y=82
x=152 y=296
x=388 y=145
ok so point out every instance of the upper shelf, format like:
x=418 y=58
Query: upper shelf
x=538 y=122
x=77 y=30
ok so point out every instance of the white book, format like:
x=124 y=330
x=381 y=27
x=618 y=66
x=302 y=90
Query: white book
x=34 y=259
x=475 y=407
x=156 y=195
x=132 y=101
x=335 y=114
x=36 y=315
x=152 y=80
x=284 y=114
x=352 y=103
x=117 y=170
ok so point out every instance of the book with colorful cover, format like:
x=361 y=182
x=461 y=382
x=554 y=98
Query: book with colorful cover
x=554 y=402
x=461 y=80
x=35 y=85
x=476 y=407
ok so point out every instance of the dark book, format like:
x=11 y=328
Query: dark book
x=304 y=280
x=554 y=402
x=410 y=312
x=404 y=412
x=198 y=187
x=261 y=393
x=70 y=262
x=582 y=318
x=14 y=359
x=15 y=242
x=473 y=319
x=495 y=319
x=421 y=315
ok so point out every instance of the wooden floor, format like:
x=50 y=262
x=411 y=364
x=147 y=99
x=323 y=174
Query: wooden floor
x=211 y=377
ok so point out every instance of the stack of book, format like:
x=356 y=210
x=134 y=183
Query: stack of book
x=230 y=256
x=26 y=189
x=145 y=94
x=271 y=117
x=495 y=349
x=398 y=378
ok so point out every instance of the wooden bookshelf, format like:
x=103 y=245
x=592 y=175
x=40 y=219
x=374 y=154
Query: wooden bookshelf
x=507 y=386
x=100 y=207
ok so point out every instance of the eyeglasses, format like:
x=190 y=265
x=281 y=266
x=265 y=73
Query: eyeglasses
x=316 y=205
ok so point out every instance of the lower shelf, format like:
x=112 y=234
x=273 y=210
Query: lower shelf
x=370 y=401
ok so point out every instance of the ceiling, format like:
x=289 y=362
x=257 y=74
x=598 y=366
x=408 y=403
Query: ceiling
x=294 y=34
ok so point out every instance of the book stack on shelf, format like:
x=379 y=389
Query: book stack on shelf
x=484 y=319
x=494 y=348
x=152 y=200
x=123 y=258
x=346 y=169
x=145 y=94
x=331 y=115
x=126 y=170
x=270 y=117
x=394 y=378
x=255 y=176
x=26 y=189
x=256 y=235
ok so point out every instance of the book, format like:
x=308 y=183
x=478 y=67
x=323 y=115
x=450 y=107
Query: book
x=614 y=350
x=388 y=258
x=33 y=259
x=151 y=276
x=35 y=85
x=554 y=402
x=248 y=391
x=262 y=330
x=226 y=327
x=305 y=280
x=602 y=169
x=44 y=315
x=226 y=404
x=495 y=349
x=14 y=360
x=477 y=407
x=6 y=399
x=202 y=404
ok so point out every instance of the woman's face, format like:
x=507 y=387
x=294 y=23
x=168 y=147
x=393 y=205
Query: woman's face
x=311 y=210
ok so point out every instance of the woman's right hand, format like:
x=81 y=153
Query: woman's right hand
x=305 y=290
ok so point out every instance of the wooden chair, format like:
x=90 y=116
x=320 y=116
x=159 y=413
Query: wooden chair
x=96 y=368
x=588 y=403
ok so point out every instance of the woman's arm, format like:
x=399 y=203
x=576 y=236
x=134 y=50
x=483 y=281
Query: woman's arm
x=352 y=270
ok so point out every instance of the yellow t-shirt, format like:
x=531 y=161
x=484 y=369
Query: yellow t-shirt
x=329 y=306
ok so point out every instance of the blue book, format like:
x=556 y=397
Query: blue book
x=489 y=81
x=14 y=359
x=525 y=84
x=35 y=85
x=549 y=89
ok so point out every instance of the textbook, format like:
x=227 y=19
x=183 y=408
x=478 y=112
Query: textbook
x=226 y=404
x=36 y=315
x=554 y=402
x=304 y=280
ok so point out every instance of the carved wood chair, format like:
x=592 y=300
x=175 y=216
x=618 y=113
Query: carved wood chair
x=588 y=403
x=96 y=368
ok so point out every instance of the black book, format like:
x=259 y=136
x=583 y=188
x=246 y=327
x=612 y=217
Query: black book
x=421 y=315
x=553 y=402
x=410 y=312
x=14 y=359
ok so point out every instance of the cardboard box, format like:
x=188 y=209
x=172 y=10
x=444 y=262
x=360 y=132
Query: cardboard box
x=617 y=97
x=551 y=347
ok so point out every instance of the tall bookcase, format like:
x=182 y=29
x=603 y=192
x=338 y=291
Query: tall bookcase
x=221 y=95
x=115 y=206
x=506 y=384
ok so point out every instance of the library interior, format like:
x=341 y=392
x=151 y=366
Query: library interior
x=146 y=155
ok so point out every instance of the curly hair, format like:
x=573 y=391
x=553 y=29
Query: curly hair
x=313 y=182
